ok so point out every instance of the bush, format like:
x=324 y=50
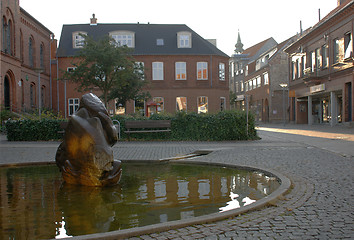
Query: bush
x=33 y=130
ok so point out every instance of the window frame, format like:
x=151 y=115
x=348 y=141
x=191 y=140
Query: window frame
x=202 y=70
x=222 y=72
x=184 y=39
x=157 y=71
x=78 y=40
x=200 y=104
x=180 y=70
x=181 y=102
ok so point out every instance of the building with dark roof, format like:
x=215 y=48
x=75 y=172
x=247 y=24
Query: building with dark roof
x=184 y=71
x=321 y=75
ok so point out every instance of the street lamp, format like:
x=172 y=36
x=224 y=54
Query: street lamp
x=39 y=71
x=284 y=86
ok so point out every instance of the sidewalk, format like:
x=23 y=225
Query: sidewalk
x=317 y=159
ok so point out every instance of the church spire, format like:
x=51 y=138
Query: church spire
x=239 y=45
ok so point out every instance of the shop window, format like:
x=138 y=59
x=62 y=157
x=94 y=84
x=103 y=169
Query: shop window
x=139 y=106
x=181 y=104
x=202 y=104
x=73 y=104
x=119 y=108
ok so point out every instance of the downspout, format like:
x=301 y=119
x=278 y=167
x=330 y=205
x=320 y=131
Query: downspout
x=50 y=72
x=58 y=105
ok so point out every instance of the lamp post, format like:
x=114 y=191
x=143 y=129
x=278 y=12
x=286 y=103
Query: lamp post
x=39 y=71
x=284 y=86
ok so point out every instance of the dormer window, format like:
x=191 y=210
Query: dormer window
x=159 y=42
x=78 y=39
x=184 y=40
x=123 y=38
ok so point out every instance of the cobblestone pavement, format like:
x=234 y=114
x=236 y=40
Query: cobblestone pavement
x=319 y=162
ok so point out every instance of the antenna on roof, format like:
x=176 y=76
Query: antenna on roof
x=319 y=14
x=300 y=28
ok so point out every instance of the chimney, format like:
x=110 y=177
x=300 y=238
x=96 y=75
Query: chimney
x=93 y=20
x=340 y=2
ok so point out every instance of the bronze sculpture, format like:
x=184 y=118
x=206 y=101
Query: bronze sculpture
x=85 y=156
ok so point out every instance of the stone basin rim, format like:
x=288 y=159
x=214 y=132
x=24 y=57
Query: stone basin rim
x=284 y=187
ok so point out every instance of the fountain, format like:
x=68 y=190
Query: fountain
x=85 y=157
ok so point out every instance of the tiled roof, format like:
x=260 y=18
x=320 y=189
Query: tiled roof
x=145 y=39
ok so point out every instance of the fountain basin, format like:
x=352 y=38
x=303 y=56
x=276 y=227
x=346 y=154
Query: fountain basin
x=160 y=196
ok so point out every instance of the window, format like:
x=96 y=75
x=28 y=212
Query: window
x=31 y=52
x=258 y=80
x=41 y=56
x=140 y=69
x=124 y=38
x=157 y=71
x=70 y=69
x=181 y=71
x=202 y=70
x=159 y=42
x=325 y=60
x=43 y=96
x=348 y=45
x=246 y=71
x=7 y=36
x=242 y=87
x=78 y=39
x=237 y=87
x=222 y=103
x=254 y=83
x=338 y=50
x=139 y=106
x=222 y=71
x=318 y=59
x=313 y=61
x=181 y=104
x=33 y=95
x=203 y=104
x=73 y=105
x=160 y=105
x=266 y=78
x=184 y=40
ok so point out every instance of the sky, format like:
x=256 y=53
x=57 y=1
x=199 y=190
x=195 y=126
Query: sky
x=256 y=20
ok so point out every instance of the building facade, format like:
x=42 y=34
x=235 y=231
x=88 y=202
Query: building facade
x=321 y=70
x=184 y=71
x=25 y=73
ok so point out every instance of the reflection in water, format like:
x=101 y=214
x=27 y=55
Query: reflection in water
x=34 y=203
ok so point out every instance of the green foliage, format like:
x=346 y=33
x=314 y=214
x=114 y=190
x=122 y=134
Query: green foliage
x=222 y=126
x=102 y=64
x=33 y=130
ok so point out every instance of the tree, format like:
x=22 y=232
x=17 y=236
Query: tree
x=104 y=65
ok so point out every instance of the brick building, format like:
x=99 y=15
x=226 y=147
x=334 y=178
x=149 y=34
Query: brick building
x=256 y=75
x=25 y=71
x=321 y=73
x=184 y=71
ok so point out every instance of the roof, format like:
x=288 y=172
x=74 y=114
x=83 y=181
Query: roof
x=256 y=50
x=145 y=39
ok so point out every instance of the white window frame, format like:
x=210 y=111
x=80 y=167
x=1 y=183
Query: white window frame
x=201 y=67
x=179 y=97
x=73 y=103
x=222 y=71
x=266 y=78
x=157 y=71
x=124 y=38
x=181 y=70
x=184 y=39
x=78 y=40
x=206 y=108
x=139 y=70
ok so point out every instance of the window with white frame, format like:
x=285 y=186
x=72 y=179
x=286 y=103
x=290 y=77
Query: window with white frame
x=140 y=69
x=202 y=104
x=254 y=83
x=73 y=104
x=123 y=38
x=79 y=39
x=266 y=78
x=325 y=59
x=222 y=71
x=258 y=80
x=202 y=70
x=181 y=71
x=181 y=104
x=348 y=45
x=160 y=103
x=184 y=40
x=157 y=71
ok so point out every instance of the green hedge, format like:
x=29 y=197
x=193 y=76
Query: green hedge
x=33 y=130
x=222 y=126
